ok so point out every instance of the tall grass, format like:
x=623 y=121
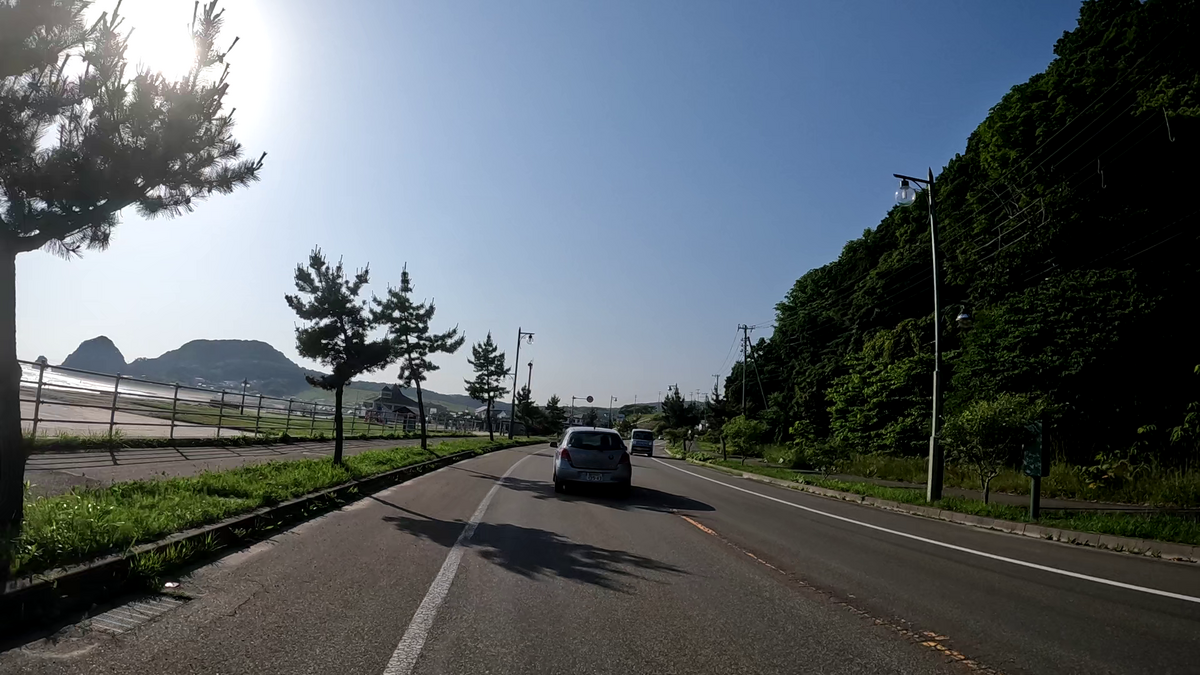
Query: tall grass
x=1150 y=484
x=88 y=523
x=1158 y=526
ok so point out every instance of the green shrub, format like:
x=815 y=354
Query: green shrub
x=744 y=436
x=988 y=434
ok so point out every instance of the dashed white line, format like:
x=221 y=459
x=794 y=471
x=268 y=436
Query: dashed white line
x=953 y=547
x=409 y=650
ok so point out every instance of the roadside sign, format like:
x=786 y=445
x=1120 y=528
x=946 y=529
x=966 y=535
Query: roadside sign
x=590 y=399
x=1035 y=463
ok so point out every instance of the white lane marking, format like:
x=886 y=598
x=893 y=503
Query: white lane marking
x=409 y=650
x=953 y=547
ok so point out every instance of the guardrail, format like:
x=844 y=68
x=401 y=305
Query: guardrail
x=69 y=401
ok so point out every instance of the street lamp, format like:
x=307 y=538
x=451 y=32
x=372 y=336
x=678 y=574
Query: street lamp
x=512 y=423
x=905 y=196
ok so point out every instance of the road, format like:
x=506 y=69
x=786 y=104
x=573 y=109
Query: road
x=58 y=418
x=57 y=472
x=482 y=568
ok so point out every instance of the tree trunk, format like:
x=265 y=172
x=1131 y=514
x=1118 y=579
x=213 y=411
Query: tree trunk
x=724 y=455
x=12 y=447
x=491 y=436
x=987 y=488
x=337 y=425
x=421 y=407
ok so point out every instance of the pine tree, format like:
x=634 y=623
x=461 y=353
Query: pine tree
x=591 y=417
x=556 y=415
x=527 y=411
x=717 y=411
x=336 y=332
x=412 y=343
x=490 y=373
x=679 y=417
x=80 y=144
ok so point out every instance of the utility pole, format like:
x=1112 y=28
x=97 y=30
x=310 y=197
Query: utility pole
x=516 y=374
x=611 y=400
x=745 y=341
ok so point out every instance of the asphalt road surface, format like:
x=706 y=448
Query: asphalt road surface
x=482 y=568
x=57 y=472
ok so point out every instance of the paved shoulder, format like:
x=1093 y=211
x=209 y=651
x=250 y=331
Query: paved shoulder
x=332 y=595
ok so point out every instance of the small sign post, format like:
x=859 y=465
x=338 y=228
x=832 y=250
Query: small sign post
x=1036 y=467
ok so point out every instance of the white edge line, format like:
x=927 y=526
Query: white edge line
x=953 y=547
x=409 y=650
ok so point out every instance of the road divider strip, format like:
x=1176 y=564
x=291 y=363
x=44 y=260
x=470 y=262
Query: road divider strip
x=409 y=650
x=942 y=544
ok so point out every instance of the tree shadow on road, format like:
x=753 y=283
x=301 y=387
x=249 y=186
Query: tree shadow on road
x=535 y=553
x=643 y=498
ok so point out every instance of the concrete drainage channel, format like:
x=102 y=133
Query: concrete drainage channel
x=134 y=613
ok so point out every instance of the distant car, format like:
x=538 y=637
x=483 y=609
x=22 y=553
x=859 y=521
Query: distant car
x=642 y=441
x=592 y=455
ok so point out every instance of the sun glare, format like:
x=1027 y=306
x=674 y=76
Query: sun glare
x=160 y=41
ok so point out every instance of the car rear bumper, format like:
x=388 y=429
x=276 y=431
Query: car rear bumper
x=647 y=448
x=567 y=473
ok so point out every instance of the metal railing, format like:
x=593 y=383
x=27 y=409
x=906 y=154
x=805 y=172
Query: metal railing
x=68 y=401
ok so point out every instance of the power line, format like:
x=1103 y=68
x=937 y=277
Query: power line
x=729 y=353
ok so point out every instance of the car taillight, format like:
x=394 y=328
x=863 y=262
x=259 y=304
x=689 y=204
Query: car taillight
x=624 y=458
x=566 y=456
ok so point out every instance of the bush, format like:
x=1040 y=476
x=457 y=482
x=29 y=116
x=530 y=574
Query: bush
x=989 y=434
x=744 y=435
x=822 y=456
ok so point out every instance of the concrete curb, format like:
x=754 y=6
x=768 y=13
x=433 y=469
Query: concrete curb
x=28 y=601
x=1148 y=547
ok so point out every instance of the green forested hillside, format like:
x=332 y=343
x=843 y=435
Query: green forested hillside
x=1069 y=233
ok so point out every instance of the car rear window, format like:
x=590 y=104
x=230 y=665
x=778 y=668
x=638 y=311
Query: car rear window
x=595 y=440
x=643 y=435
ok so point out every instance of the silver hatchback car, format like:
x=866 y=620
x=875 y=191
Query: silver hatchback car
x=591 y=455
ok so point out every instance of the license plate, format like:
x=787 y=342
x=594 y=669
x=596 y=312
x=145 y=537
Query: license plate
x=593 y=477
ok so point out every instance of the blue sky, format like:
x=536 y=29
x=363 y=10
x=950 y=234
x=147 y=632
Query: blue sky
x=628 y=180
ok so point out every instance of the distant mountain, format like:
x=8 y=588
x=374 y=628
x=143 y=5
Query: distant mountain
x=98 y=355
x=226 y=364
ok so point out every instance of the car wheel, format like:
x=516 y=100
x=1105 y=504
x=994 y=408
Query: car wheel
x=623 y=490
x=560 y=486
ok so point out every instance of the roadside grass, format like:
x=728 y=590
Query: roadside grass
x=1150 y=484
x=89 y=523
x=65 y=442
x=1157 y=526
